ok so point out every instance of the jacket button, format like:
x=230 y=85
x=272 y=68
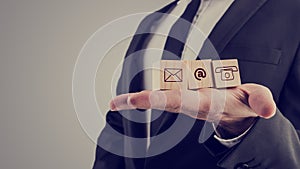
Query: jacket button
x=242 y=166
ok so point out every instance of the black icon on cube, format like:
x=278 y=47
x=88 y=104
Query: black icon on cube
x=227 y=72
x=173 y=75
x=200 y=74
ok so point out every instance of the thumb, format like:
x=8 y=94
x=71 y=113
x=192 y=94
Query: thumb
x=260 y=100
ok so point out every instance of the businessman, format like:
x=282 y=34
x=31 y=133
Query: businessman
x=256 y=127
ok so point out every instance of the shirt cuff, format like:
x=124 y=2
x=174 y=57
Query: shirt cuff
x=230 y=142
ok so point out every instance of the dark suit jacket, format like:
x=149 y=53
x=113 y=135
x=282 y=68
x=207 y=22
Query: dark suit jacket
x=264 y=36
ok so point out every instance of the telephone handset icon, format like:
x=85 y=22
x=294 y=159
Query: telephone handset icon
x=226 y=72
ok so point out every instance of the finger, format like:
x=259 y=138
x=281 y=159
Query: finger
x=131 y=101
x=180 y=101
x=260 y=100
x=140 y=100
x=162 y=100
x=175 y=101
x=120 y=103
x=169 y=100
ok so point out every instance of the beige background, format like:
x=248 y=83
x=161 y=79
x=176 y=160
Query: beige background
x=39 y=43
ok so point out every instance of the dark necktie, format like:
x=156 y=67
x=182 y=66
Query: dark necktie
x=172 y=51
x=179 y=32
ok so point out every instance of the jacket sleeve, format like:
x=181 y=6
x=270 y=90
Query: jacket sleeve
x=115 y=150
x=273 y=143
x=104 y=158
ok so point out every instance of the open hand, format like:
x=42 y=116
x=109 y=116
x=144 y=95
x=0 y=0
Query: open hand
x=235 y=108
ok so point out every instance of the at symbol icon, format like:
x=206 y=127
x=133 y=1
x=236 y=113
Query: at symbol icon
x=199 y=73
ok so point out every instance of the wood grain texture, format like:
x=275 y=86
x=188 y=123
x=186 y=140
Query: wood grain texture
x=199 y=74
x=173 y=74
x=226 y=73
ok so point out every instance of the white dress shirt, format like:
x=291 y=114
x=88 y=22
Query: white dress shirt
x=208 y=15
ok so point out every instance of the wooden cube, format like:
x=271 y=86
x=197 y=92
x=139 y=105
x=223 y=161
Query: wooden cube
x=173 y=74
x=199 y=74
x=226 y=73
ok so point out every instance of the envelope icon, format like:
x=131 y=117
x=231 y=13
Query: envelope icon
x=173 y=75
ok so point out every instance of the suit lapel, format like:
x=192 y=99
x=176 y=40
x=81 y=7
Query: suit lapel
x=232 y=21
